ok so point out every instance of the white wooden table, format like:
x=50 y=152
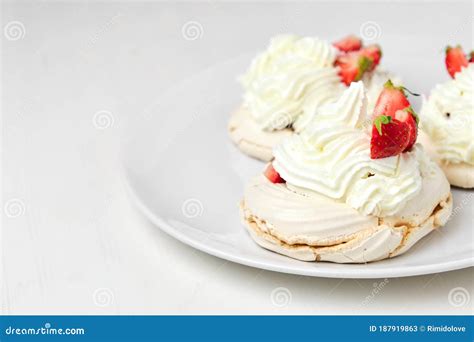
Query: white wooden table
x=72 y=242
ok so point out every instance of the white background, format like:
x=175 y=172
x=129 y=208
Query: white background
x=71 y=241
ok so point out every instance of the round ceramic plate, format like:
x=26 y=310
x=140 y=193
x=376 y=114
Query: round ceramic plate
x=186 y=176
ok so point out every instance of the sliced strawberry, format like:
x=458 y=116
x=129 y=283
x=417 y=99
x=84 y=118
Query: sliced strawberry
x=409 y=118
x=390 y=100
x=455 y=59
x=374 y=53
x=349 y=43
x=390 y=137
x=352 y=66
x=395 y=128
x=272 y=175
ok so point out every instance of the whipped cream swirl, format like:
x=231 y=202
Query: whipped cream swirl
x=331 y=156
x=448 y=117
x=373 y=82
x=290 y=70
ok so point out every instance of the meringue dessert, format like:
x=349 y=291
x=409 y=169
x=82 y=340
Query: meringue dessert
x=349 y=188
x=448 y=121
x=286 y=84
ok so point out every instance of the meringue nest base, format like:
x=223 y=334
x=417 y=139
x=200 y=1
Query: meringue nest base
x=252 y=140
x=384 y=241
x=458 y=174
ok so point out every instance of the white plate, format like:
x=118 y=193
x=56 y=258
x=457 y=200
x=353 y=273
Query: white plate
x=186 y=176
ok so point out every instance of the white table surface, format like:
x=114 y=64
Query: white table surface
x=72 y=243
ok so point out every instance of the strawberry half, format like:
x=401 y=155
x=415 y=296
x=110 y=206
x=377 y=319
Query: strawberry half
x=349 y=43
x=374 y=53
x=352 y=66
x=390 y=100
x=390 y=137
x=272 y=175
x=391 y=112
x=455 y=60
x=409 y=118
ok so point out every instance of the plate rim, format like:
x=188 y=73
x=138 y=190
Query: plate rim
x=398 y=272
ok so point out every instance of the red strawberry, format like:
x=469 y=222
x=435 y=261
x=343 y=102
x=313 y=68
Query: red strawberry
x=471 y=57
x=393 y=107
x=352 y=66
x=272 y=175
x=390 y=100
x=390 y=137
x=455 y=59
x=349 y=43
x=374 y=53
x=410 y=118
